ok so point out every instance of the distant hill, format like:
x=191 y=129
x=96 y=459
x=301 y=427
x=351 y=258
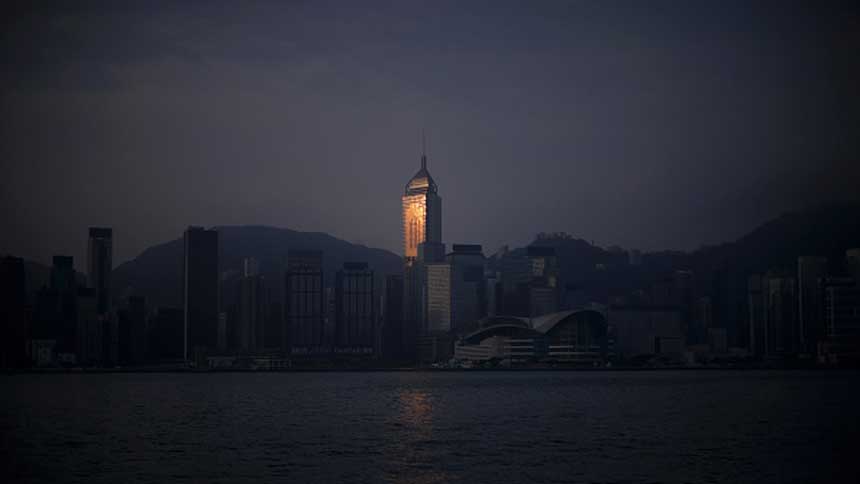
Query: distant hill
x=825 y=230
x=157 y=272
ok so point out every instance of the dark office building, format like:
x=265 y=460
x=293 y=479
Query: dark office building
x=132 y=332
x=392 y=322
x=304 y=302
x=810 y=273
x=273 y=335
x=250 y=333
x=56 y=313
x=14 y=326
x=166 y=335
x=355 y=319
x=201 y=295
x=99 y=265
x=63 y=273
x=89 y=329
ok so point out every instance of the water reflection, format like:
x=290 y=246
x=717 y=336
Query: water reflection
x=415 y=448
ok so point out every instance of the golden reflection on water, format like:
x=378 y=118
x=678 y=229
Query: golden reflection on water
x=414 y=447
x=415 y=409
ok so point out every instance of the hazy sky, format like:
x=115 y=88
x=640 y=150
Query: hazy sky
x=643 y=124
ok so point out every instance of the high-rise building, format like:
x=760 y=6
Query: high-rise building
x=841 y=341
x=13 y=312
x=63 y=273
x=55 y=312
x=468 y=297
x=274 y=334
x=355 y=317
x=810 y=272
x=780 y=317
x=89 y=331
x=304 y=302
x=99 y=265
x=755 y=303
x=253 y=303
x=132 y=331
x=438 y=298
x=422 y=223
x=166 y=335
x=201 y=294
x=516 y=278
x=392 y=317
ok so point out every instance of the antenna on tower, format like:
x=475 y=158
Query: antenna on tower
x=423 y=150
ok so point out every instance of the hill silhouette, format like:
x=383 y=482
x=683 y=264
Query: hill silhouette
x=823 y=230
x=157 y=272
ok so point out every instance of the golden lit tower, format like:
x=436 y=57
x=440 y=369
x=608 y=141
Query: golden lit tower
x=422 y=212
x=422 y=242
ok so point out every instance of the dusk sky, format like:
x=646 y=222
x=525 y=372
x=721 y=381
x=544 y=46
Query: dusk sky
x=651 y=125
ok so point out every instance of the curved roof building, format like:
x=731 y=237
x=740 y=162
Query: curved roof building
x=576 y=336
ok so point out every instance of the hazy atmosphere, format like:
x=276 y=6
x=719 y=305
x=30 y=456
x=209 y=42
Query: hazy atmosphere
x=684 y=124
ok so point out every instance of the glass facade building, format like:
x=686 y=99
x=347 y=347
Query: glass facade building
x=355 y=320
x=201 y=294
x=304 y=302
x=422 y=223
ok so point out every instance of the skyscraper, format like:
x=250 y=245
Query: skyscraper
x=63 y=273
x=544 y=287
x=780 y=316
x=392 y=326
x=304 y=302
x=756 y=305
x=438 y=298
x=355 y=317
x=253 y=302
x=201 y=295
x=422 y=223
x=99 y=265
x=810 y=272
x=467 y=287
x=13 y=315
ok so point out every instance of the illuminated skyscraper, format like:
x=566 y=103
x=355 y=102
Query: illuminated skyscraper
x=422 y=224
x=422 y=212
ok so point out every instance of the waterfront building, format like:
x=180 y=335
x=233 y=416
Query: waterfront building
x=100 y=265
x=166 y=335
x=781 y=330
x=305 y=303
x=253 y=302
x=841 y=341
x=438 y=298
x=640 y=330
x=755 y=305
x=201 y=298
x=355 y=315
x=392 y=317
x=574 y=337
x=810 y=272
x=132 y=331
x=89 y=330
x=468 y=296
x=14 y=327
x=422 y=223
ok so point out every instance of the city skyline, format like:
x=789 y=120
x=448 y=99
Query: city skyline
x=223 y=256
x=691 y=126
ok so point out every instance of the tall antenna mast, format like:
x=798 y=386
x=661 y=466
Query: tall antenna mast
x=423 y=150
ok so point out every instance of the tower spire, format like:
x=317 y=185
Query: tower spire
x=423 y=150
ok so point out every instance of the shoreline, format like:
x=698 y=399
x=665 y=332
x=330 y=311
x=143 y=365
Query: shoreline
x=96 y=371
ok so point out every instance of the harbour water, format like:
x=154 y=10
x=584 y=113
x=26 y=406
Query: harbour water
x=428 y=427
